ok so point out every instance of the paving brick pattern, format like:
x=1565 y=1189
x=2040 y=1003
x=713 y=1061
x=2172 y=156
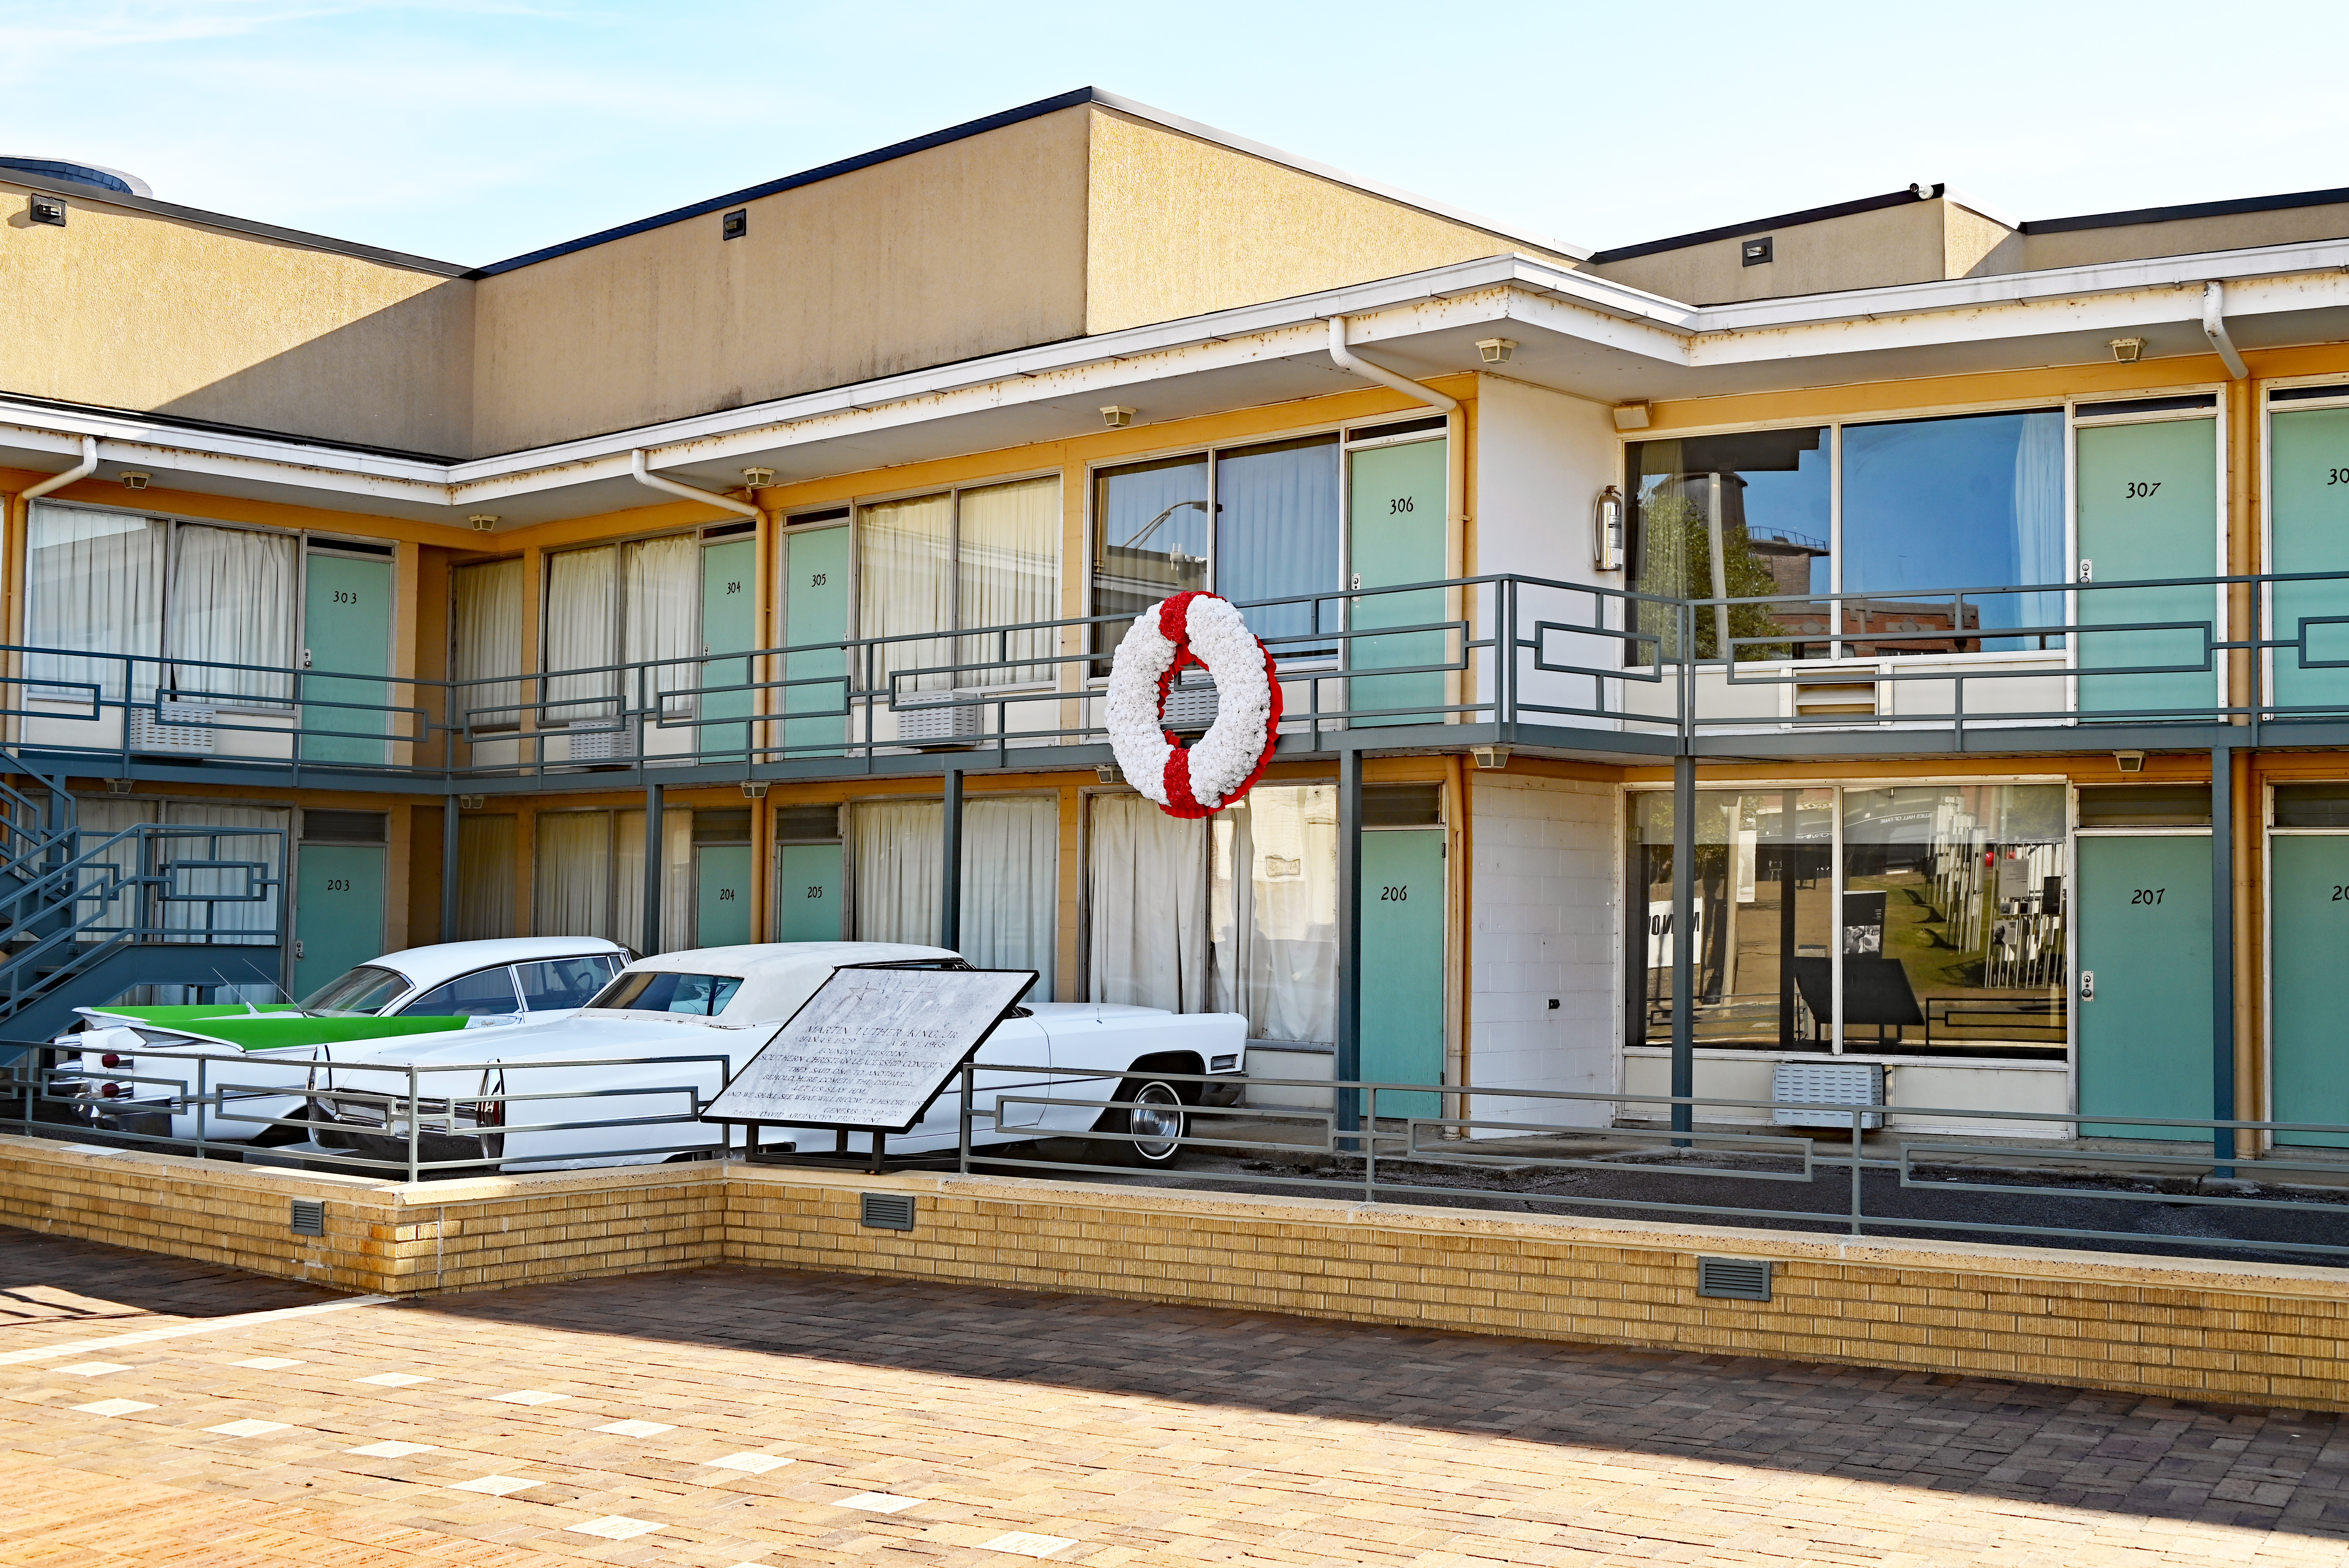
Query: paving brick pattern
x=1135 y=1433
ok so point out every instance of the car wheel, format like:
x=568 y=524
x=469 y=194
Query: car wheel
x=1158 y=1122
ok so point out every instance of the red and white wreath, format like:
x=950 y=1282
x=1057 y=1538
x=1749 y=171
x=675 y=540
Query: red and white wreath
x=1225 y=764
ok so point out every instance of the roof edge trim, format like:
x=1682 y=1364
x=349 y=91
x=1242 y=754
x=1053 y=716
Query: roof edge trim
x=2180 y=212
x=1762 y=225
x=103 y=196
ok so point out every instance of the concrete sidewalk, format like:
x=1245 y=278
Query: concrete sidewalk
x=637 y=1419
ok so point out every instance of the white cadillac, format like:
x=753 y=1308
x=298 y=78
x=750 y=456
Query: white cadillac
x=133 y=1061
x=622 y=1081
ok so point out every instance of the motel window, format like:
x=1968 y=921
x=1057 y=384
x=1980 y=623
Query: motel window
x=1927 y=508
x=485 y=644
x=1247 y=522
x=960 y=560
x=1237 y=913
x=1010 y=878
x=633 y=604
x=1951 y=939
x=200 y=595
x=589 y=877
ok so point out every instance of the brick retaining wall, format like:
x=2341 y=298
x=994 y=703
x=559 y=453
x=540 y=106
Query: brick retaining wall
x=2189 y=1328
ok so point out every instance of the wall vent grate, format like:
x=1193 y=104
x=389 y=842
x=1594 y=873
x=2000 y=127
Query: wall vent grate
x=1733 y=1279
x=888 y=1210
x=309 y=1217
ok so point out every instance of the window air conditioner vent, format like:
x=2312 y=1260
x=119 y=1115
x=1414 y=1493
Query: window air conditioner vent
x=1733 y=1279
x=1827 y=1083
x=600 y=740
x=185 y=732
x=1191 y=704
x=1825 y=697
x=939 y=718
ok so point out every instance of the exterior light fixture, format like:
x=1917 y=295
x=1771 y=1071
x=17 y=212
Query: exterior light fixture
x=1490 y=755
x=49 y=209
x=135 y=480
x=1117 y=416
x=483 y=521
x=1631 y=415
x=470 y=802
x=753 y=791
x=2126 y=350
x=1109 y=773
x=2129 y=762
x=1607 y=523
x=758 y=478
x=734 y=224
x=1497 y=350
x=118 y=785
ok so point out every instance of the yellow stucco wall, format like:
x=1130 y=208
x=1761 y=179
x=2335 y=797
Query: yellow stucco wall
x=129 y=309
x=971 y=248
x=1176 y=226
x=1903 y=244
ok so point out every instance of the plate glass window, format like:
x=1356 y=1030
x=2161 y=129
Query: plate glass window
x=1740 y=516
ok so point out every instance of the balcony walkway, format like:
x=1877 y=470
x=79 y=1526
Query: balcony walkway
x=1117 y=1433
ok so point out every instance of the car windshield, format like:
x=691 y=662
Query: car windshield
x=357 y=992
x=565 y=982
x=701 y=993
x=486 y=994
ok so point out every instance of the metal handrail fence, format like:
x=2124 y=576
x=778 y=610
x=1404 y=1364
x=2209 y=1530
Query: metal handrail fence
x=1392 y=1155
x=397 y=1119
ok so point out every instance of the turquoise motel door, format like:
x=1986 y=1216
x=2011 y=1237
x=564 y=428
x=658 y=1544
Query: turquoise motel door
x=1402 y=964
x=816 y=610
x=337 y=911
x=2310 y=480
x=807 y=894
x=2144 y=944
x=721 y=895
x=345 y=628
x=730 y=624
x=1394 y=533
x=2148 y=507
x=2308 y=953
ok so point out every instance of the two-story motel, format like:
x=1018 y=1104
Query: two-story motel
x=777 y=542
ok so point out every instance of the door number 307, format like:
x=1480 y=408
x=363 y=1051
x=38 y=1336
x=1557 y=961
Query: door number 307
x=2152 y=894
x=2140 y=491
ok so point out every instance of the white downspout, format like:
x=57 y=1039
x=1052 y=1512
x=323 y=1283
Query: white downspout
x=81 y=471
x=645 y=475
x=1455 y=429
x=1384 y=377
x=2214 y=328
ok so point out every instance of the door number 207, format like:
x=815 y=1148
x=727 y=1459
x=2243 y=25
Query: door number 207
x=2153 y=894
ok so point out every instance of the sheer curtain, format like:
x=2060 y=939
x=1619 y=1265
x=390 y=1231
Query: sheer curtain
x=1276 y=532
x=1012 y=884
x=234 y=914
x=231 y=600
x=1148 y=894
x=1276 y=913
x=486 y=879
x=904 y=584
x=96 y=586
x=662 y=583
x=1008 y=551
x=2039 y=520
x=899 y=851
x=571 y=891
x=488 y=643
x=582 y=614
x=677 y=880
x=100 y=817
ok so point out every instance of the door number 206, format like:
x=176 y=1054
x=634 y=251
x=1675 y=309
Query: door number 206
x=1394 y=895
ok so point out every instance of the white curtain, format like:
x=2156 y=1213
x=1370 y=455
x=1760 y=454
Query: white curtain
x=904 y=584
x=231 y=600
x=99 y=817
x=486 y=879
x=1276 y=913
x=94 y=582
x=1147 y=888
x=487 y=645
x=661 y=579
x=1008 y=563
x=2039 y=519
x=236 y=913
x=1012 y=884
x=582 y=615
x=572 y=884
x=677 y=880
x=898 y=852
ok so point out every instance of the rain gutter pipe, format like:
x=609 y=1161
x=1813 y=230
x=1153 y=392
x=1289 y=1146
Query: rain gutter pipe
x=2214 y=328
x=645 y=475
x=20 y=507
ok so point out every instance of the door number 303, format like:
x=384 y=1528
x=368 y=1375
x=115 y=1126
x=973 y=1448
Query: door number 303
x=345 y=596
x=2153 y=894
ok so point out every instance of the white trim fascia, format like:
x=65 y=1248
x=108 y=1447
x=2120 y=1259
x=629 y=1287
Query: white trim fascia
x=1951 y=194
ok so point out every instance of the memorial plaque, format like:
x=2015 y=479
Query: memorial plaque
x=871 y=1049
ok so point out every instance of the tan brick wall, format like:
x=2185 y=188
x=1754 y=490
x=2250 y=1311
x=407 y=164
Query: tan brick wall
x=2188 y=1328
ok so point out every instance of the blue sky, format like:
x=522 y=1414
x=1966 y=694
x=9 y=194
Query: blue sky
x=472 y=132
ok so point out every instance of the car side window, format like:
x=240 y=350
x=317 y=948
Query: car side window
x=666 y=993
x=484 y=994
x=562 y=982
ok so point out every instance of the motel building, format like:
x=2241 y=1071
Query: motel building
x=1896 y=652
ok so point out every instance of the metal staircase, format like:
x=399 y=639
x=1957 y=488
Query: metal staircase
x=86 y=915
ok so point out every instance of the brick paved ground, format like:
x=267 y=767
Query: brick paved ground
x=1132 y=1434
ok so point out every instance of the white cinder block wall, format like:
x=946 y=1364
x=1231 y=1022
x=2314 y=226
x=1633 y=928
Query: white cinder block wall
x=1547 y=923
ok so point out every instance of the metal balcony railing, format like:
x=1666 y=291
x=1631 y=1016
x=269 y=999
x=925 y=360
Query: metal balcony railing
x=1517 y=658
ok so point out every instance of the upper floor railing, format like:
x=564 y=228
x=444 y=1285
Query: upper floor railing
x=1518 y=658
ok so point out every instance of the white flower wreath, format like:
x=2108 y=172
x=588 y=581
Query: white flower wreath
x=1192 y=628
